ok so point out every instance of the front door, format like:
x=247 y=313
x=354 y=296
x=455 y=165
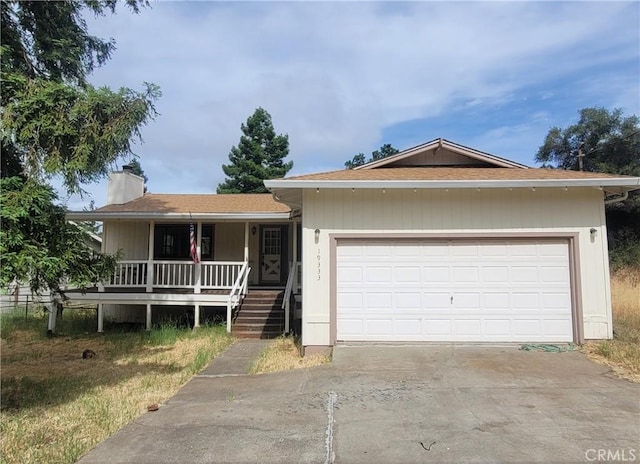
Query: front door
x=271 y=270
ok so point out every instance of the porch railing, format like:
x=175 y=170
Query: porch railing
x=131 y=273
x=293 y=282
x=220 y=275
x=238 y=291
x=167 y=274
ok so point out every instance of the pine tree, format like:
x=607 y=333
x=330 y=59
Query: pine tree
x=259 y=155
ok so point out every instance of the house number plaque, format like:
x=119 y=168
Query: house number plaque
x=318 y=258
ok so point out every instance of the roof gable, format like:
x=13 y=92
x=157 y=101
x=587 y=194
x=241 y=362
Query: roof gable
x=442 y=153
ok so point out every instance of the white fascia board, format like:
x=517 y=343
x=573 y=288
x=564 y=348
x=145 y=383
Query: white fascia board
x=631 y=183
x=98 y=216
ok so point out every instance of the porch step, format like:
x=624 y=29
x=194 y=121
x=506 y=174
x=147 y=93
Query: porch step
x=260 y=315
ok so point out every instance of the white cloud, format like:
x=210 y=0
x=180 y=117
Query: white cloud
x=334 y=75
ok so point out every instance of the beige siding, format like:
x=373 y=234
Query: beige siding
x=454 y=211
x=229 y=242
x=132 y=238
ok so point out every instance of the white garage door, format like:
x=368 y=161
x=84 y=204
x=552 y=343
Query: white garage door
x=487 y=291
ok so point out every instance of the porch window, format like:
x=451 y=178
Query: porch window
x=171 y=241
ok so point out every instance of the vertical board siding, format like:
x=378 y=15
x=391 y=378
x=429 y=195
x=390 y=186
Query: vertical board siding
x=229 y=241
x=132 y=239
x=454 y=211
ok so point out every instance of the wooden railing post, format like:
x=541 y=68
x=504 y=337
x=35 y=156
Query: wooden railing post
x=152 y=227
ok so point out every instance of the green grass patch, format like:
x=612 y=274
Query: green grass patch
x=55 y=406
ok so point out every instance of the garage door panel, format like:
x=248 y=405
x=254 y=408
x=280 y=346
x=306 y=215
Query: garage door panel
x=502 y=291
x=496 y=301
x=379 y=327
x=436 y=327
x=434 y=275
x=434 y=249
x=527 y=327
x=379 y=300
x=407 y=275
x=557 y=301
x=350 y=274
x=436 y=300
x=558 y=250
x=470 y=328
x=351 y=328
x=466 y=301
x=497 y=327
x=347 y=301
x=408 y=300
x=347 y=251
x=524 y=250
x=408 y=327
x=556 y=329
x=377 y=251
x=524 y=274
x=493 y=250
x=465 y=274
x=378 y=274
x=464 y=249
x=556 y=274
x=498 y=274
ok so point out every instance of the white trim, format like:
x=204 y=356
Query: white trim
x=633 y=182
x=106 y=216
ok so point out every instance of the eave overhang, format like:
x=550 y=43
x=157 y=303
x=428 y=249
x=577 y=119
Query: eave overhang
x=606 y=183
x=140 y=216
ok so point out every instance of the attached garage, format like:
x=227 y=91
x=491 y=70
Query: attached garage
x=446 y=243
x=461 y=290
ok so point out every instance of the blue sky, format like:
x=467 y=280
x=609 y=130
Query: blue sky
x=345 y=77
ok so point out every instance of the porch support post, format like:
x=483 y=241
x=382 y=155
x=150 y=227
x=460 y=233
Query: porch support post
x=196 y=316
x=229 y=316
x=246 y=241
x=148 y=323
x=152 y=228
x=295 y=255
x=100 y=318
x=51 y=326
x=198 y=265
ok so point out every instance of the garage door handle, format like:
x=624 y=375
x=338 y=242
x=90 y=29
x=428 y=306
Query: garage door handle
x=451 y=300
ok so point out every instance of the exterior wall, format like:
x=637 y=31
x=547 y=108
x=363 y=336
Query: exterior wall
x=132 y=240
x=483 y=211
x=229 y=241
x=130 y=237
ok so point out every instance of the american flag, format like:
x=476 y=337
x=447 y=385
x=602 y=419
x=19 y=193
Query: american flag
x=192 y=240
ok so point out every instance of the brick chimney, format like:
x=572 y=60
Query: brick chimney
x=124 y=186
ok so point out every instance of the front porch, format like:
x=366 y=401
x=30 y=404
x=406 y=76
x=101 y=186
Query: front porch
x=268 y=252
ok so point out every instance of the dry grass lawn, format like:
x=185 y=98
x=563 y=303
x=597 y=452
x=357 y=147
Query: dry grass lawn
x=284 y=354
x=56 y=406
x=622 y=353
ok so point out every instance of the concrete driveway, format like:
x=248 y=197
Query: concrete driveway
x=392 y=404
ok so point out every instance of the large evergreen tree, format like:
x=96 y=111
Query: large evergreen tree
x=259 y=155
x=56 y=124
x=608 y=142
